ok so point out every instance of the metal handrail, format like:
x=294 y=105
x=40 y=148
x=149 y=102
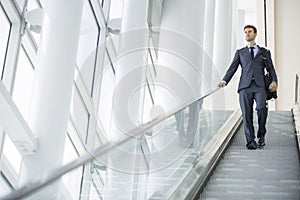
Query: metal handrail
x=35 y=185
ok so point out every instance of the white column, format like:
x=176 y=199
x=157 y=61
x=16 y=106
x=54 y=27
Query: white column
x=126 y=107
x=178 y=81
x=130 y=63
x=222 y=38
x=235 y=33
x=240 y=40
x=180 y=51
x=208 y=44
x=53 y=86
x=270 y=12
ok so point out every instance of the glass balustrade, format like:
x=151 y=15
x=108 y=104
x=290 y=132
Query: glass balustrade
x=150 y=162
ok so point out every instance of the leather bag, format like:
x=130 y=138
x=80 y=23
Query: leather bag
x=268 y=81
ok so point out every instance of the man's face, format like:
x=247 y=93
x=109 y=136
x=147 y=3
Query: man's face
x=249 y=34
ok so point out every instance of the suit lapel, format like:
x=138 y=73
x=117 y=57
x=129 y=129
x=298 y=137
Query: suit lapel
x=246 y=52
x=258 y=52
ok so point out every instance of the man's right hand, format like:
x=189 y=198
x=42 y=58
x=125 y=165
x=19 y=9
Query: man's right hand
x=222 y=84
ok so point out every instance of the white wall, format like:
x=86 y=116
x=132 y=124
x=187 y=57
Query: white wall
x=287 y=43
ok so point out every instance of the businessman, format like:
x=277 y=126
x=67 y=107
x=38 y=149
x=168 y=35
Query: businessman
x=252 y=59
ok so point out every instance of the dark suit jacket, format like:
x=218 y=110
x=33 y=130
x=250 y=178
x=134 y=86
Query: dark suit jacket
x=251 y=68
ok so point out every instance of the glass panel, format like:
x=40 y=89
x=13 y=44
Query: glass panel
x=79 y=114
x=94 y=193
x=102 y=3
x=23 y=85
x=152 y=163
x=33 y=4
x=69 y=152
x=4 y=35
x=97 y=141
x=116 y=9
x=20 y=4
x=98 y=174
x=154 y=13
x=77 y=141
x=87 y=45
x=1 y=144
x=12 y=154
x=106 y=96
x=71 y=182
x=5 y=188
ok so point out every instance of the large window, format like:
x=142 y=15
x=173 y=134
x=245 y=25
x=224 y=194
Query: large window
x=72 y=179
x=4 y=35
x=29 y=5
x=87 y=45
x=20 y=4
x=79 y=114
x=5 y=187
x=34 y=4
x=12 y=154
x=23 y=84
x=116 y=9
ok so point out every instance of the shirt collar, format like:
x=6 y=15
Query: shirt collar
x=255 y=46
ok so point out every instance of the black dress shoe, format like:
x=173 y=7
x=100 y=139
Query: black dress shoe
x=261 y=142
x=251 y=145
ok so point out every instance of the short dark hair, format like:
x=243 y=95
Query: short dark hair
x=251 y=26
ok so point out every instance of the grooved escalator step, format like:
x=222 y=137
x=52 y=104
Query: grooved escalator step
x=271 y=172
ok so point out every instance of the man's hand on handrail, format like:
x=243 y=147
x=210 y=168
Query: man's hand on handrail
x=222 y=84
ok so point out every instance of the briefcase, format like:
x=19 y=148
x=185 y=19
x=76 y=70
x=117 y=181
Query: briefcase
x=268 y=81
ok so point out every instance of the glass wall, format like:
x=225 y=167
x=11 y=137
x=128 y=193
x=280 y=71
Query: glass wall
x=10 y=158
x=4 y=35
x=34 y=32
x=87 y=47
x=89 y=122
x=23 y=83
x=165 y=155
x=22 y=77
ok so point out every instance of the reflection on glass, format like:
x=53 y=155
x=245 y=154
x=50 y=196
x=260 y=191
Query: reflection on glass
x=187 y=132
x=23 y=85
x=4 y=34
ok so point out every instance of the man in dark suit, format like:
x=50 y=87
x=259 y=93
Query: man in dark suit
x=252 y=59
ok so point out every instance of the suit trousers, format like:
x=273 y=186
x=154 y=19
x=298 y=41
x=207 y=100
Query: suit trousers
x=247 y=96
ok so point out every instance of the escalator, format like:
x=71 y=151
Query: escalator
x=271 y=172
